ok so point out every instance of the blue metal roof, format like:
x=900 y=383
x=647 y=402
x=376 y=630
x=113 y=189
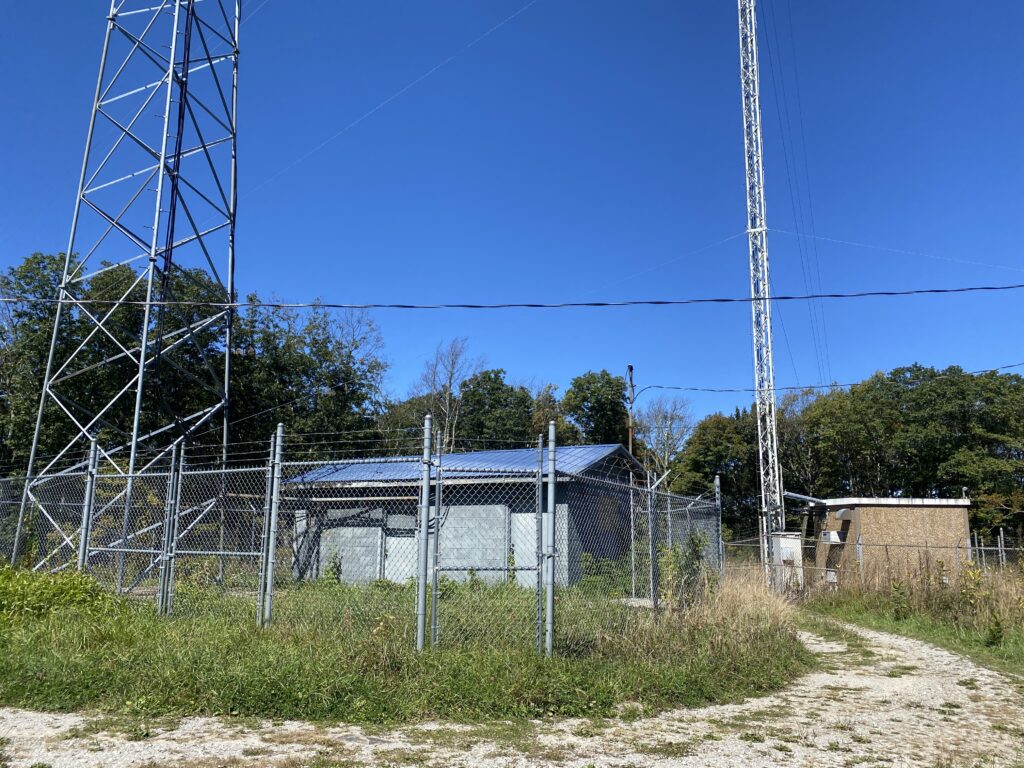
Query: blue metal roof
x=570 y=458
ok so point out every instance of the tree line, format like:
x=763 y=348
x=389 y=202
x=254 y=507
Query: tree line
x=319 y=372
x=914 y=431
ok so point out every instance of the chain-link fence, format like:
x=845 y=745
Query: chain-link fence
x=806 y=562
x=544 y=547
x=10 y=505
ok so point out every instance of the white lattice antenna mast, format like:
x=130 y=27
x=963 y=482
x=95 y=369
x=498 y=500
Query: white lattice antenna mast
x=757 y=235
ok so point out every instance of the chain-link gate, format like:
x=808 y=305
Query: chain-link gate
x=348 y=544
x=485 y=553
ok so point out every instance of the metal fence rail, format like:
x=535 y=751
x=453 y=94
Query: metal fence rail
x=460 y=550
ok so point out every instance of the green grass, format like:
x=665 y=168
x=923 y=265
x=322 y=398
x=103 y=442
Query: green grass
x=975 y=643
x=342 y=653
x=981 y=615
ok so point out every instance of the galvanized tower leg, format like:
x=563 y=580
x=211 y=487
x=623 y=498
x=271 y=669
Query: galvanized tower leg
x=772 y=510
x=62 y=295
x=153 y=223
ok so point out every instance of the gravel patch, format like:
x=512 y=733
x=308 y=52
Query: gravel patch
x=884 y=700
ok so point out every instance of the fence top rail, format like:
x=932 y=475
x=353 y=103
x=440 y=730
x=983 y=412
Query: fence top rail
x=346 y=462
x=452 y=470
x=39 y=480
x=235 y=470
x=694 y=502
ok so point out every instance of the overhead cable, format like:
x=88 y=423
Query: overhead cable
x=524 y=304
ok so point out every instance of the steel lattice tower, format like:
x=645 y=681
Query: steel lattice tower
x=757 y=235
x=150 y=262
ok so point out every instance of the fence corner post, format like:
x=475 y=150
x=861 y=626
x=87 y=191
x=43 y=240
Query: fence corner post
x=422 y=547
x=549 y=546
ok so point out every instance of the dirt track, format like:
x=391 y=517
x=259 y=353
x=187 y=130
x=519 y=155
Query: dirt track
x=883 y=700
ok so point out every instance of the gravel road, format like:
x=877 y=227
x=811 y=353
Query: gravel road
x=881 y=700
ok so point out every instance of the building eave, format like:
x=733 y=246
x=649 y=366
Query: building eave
x=891 y=501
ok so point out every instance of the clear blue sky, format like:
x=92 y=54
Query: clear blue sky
x=587 y=149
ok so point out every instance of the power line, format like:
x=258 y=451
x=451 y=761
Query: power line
x=527 y=304
x=812 y=386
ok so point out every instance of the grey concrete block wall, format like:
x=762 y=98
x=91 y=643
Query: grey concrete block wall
x=591 y=518
x=355 y=552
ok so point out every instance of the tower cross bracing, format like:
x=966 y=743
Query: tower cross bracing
x=153 y=223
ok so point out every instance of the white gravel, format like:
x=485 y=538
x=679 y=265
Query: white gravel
x=908 y=704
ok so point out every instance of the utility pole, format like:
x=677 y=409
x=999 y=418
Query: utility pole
x=772 y=510
x=631 y=395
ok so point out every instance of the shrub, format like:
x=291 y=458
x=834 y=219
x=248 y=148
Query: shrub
x=686 y=577
x=25 y=593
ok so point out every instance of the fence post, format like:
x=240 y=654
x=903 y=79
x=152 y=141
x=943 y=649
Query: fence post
x=87 y=506
x=275 y=503
x=549 y=546
x=172 y=569
x=20 y=524
x=170 y=513
x=1002 y=549
x=435 y=594
x=652 y=543
x=718 y=509
x=632 y=540
x=421 y=570
x=540 y=543
x=265 y=539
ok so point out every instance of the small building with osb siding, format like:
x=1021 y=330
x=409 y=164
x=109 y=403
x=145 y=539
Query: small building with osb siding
x=888 y=535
